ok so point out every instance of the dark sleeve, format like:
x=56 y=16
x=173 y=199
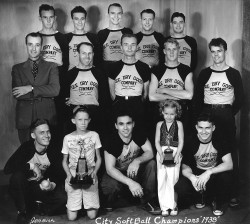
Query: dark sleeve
x=68 y=80
x=102 y=36
x=183 y=71
x=189 y=149
x=139 y=137
x=158 y=71
x=114 y=70
x=97 y=48
x=222 y=147
x=235 y=79
x=19 y=160
x=144 y=70
x=115 y=145
x=193 y=44
x=139 y=37
x=62 y=41
x=68 y=37
x=160 y=40
x=126 y=30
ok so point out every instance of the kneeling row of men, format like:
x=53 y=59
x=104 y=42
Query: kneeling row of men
x=130 y=164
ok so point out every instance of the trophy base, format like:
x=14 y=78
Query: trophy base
x=85 y=180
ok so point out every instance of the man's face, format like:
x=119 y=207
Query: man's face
x=47 y=18
x=81 y=121
x=34 y=47
x=178 y=25
x=125 y=126
x=86 y=55
x=115 y=15
x=205 y=130
x=171 y=51
x=147 y=21
x=218 y=54
x=41 y=135
x=129 y=46
x=79 y=20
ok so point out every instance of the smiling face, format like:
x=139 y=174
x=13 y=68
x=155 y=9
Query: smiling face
x=125 y=126
x=205 y=131
x=171 y=52
x=115 y=15
x=47 y=18
x=79 y=20
x=169 y=114
x=147 y=21
x=129 y=46
x=218 y=54
x=81 y=120
x=86 y=56
x=41 y=135
x=178 y=25
x=33 y=47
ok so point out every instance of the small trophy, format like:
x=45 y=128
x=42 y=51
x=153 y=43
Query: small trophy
x=168 y=159
x=82 y=177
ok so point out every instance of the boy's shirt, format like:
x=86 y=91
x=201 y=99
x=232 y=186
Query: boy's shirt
x=72 y=145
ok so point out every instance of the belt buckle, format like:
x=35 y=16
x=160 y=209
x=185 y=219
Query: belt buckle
x=126 y=97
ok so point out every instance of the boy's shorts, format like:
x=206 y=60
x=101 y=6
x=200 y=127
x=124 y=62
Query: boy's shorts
x=89 y=197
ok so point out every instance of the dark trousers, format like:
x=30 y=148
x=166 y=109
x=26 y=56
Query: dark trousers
x=25 y=193
x=146 y=177
x=217 y=187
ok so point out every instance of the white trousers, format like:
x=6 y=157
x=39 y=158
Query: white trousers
x=167 y=177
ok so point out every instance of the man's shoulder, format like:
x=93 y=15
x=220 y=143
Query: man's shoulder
x=48 y=63
x=103 y=31
x=20 y=65
x=126 y=30
x=189 y=38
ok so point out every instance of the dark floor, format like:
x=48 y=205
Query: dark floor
x=134 y=215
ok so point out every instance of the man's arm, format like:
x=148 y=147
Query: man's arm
x=188 y=173
x=145 y=90
x=66 y=167
x=134 y=187
x=186 y=94
x=112 y=88
x=226 y=165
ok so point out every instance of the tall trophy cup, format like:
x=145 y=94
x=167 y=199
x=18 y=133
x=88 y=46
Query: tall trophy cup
x=168 y=159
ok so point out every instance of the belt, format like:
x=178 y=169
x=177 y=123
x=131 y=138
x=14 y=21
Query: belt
x=217 y=106
x=127 y=97
x=37 y=99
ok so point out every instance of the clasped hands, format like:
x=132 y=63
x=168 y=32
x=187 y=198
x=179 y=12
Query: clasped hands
x=199 y=182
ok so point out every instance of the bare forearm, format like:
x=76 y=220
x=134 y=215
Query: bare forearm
x=221 y=168
x=178 y=94
x=118 y=175
x=145 y=157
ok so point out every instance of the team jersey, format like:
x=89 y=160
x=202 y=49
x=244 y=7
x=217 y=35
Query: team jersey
x=129 y=78
x=150 y=48
x=110 y=41
x=171 y=77
x=74 y=39
x=187 y=51
x=41 y=161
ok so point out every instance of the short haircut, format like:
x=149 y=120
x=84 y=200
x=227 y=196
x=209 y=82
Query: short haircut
x=177 y=14
x=115 y=5
x=171 y=41
x=122 y=112
x=84 y=43
x=149 y=11
x=218 y=42
x=80 y=108
x=46 y=7
x=129 y=35
x=78 y=9
x=37 y=123
x=33 y=34
x=205 y=117
x=171 y=104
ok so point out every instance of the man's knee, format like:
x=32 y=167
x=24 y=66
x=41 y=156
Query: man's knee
x=109 y=185
x=17 y=178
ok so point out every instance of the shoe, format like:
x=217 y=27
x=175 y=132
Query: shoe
x=217 y=208
x=234 y=202
x=40 y=208
x=151 y=208
x=200 y=202
x=108 y=209
x=174 y=211
x=21 y=218
x=165 y=213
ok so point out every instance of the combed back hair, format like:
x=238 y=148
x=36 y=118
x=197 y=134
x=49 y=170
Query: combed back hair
x=218 y=42
x=78 y=9
x=84 y=43
x=130 y=35
x=177 y=14
x=149 y=11
x=33 y=34
x=80 y=108
x=172 y=41
x=121 y=112
x=37 y=123
x=205 y=117
x=115 y=5
x=46 y=7
x=171 y=104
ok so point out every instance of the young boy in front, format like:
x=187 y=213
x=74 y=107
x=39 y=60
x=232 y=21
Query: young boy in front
x=81 y=143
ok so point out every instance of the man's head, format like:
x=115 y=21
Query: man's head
x=129 y=44
x=205 y=127
x=40 y=132
x=86 y=53
x=178 y=22
x=115 y=13
x=218 y=48
x=171 y=49
x=79 y=15
x=47 y=16
x=34 y=44
x=147 y=19
x=124 y=123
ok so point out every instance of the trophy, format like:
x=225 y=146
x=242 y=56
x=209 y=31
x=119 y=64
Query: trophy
x=168 y=159
x=82 y=177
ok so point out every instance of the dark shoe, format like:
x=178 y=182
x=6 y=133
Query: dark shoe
x=234 y=202
x=200 y=203
x=40 y=210
x=21 y=218
x=217 y=208
x=151 y=208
